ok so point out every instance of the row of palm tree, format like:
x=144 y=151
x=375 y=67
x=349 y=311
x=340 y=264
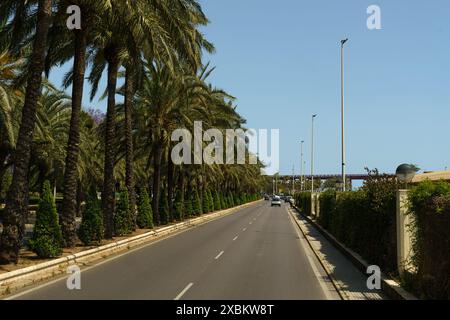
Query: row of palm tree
x=156 y=47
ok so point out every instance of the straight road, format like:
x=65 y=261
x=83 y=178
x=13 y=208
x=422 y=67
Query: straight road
x=256 y=253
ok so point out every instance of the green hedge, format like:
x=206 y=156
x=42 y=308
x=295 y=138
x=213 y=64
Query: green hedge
x=47 y=238
x=91 y=228
x=364 y=220
x=327 y=202
x=303 y=202
x=430 y=207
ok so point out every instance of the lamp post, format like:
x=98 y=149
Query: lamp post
x=293 y=179
x=301 y=164
x=405 y=173
x=312 y=152
x=342 y=115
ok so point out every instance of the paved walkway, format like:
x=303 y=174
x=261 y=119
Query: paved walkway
x=350 y=280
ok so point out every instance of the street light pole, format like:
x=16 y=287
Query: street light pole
x=293 y=180
x=301 y=165
x=312 y=152
x=342 y=115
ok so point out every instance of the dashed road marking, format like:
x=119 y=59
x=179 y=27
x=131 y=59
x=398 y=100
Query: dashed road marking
x=219 y=255
x=182 y=293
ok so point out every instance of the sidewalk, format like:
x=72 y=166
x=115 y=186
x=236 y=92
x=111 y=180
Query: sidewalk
x=350 y=282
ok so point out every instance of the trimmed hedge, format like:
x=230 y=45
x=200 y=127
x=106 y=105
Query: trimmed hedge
x=327 y=205
x=47 y=237
x=430 y=207
x=122 y=218
x=303 y=202
x=363 y=220
x=91 y=228
x=179 y=207
x=145 y=213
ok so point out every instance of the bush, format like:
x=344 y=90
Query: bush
x=122 y=218
x=430 y=207
x=206 y=206
x=145 y=213
x=230 y=200
x=327 y=206
x=211 y=201
x=164 y=210
x=223 y=201
x=178 y=207
x=196 y=204
x=303 y=202
x=189 y=211
x=236 y=200
x=91 y=228
x=217 y=201
x=47 y=238
x=363 y=220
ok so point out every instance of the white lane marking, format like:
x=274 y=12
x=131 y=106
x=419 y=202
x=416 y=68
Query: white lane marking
x=63 y=277
x=245 y=229
x=219 y=255
x=235 y=238
x=182 y=293
x=250 y=222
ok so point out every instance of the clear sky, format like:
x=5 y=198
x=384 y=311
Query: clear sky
x=281 y=60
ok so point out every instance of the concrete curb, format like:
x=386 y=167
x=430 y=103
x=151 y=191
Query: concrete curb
x=392 y=288
x=18 y=279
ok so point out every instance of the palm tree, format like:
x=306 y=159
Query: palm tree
x=17 y=198
x=79 y=41
x=10 y=97
x=50 y=136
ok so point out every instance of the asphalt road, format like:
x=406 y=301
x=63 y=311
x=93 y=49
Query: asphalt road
x=256 y=253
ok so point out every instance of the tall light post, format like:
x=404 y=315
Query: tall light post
x=301 y=164
x=312 y=152
x=293 y=179
x=342 y=115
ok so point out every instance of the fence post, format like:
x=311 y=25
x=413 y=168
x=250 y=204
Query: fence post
x=404 y=233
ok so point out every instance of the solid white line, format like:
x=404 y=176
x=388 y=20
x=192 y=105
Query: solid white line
x=235 y=238
x=250 y=222
x=182 y=293
x=311 y=259
x=219 y=255
x=245 y=229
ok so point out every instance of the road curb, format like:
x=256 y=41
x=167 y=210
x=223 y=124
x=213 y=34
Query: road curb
x=18 y=279
x=391 y=287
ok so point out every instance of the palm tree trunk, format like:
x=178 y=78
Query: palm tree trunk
x=69 y=203
x=108 y=195
x=170 y=185
x=79 y=198
x=129 y=177
x=17 y=198
x=157 y=182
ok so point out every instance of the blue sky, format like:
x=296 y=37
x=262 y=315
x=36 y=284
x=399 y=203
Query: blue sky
x=281 y=60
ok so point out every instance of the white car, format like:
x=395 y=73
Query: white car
x=276 y=201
